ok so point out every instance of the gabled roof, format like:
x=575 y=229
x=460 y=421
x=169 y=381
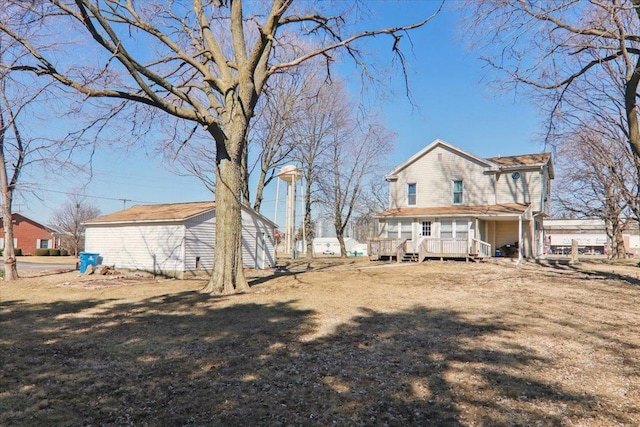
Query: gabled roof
x=505 y=209
x=434 y=144
x=494 y=163
x=33 y=221
x=523 y=160
x=168 y=212
x=152 y=213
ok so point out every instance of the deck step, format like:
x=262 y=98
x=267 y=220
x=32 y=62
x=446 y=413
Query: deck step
x=410 y=257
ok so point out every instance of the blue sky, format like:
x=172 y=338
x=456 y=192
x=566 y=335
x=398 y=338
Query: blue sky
x=453 y=102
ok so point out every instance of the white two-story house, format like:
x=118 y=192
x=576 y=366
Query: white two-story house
x=447 y=203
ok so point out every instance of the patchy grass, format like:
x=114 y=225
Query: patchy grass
x=328 y=343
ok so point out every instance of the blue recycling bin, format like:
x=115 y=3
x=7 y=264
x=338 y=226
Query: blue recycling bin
x=86 y=259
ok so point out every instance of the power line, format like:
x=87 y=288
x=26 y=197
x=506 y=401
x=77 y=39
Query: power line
x=120 y=199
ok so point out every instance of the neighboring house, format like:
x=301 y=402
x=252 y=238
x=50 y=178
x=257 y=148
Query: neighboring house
x=590 y=233
x=28 y=235
x=445 y=202
x=59 y=235
x=174 y=239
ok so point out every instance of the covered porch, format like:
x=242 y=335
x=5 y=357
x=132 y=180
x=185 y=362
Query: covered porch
x=461 y=232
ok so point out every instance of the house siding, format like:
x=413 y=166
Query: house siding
x=200 y=237
x=434 y=174
x=526 y=189
x=252 y=226
x=154 y=247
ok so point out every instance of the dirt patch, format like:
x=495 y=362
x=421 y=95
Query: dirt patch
x=97 y=282
x=439 y=343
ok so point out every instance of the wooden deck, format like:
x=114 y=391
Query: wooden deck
x=426 y=248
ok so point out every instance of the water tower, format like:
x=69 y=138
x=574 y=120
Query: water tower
x=290 y=174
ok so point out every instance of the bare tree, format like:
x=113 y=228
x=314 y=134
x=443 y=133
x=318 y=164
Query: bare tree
x=270 y=143
x=206 y=62
x=322 y=107
x=595 y=178
x=272 y=136
x=375 y=199
x=21 y=146
x=558 y=47
x=355 y=155
x=70 y=219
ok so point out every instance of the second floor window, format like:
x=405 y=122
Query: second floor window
x=411 y=194
x=457 y=192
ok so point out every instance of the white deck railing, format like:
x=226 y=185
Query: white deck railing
x=429 y=247
x=433 y=246
x=483 y=249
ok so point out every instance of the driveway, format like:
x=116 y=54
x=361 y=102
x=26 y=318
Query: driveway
x=41 y=263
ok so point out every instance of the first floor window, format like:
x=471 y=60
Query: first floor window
x=446 y=229
x=44 y=244
x=457 y=192
x=411 y=194
x=392 y=230
x=406 y=231
x=462 y=229
x=426 y=228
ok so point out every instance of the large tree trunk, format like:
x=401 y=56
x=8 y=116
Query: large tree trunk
x=10 y=267
x=340 y=235
x=228 y=276
x=631 y=107
x=618 y=249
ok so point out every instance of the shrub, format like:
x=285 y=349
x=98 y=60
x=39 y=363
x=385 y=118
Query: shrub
x=42 y=252
x=64 y=252
x=18 y=252
x=54 y=252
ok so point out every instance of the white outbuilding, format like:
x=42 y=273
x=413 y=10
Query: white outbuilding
x=331 y=245
x=175 y=239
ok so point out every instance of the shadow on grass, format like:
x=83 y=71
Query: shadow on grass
x=185 y=359
x=565 y=265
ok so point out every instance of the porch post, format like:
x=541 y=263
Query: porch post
x=532 y=231
x=519 y=239
x=476 y=236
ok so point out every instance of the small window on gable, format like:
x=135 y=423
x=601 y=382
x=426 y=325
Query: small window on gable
x=411 y=194
x=457 y=192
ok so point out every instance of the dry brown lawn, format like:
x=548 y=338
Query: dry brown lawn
x=330 y=343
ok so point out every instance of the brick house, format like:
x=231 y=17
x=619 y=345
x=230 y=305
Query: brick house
x=28 y=234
